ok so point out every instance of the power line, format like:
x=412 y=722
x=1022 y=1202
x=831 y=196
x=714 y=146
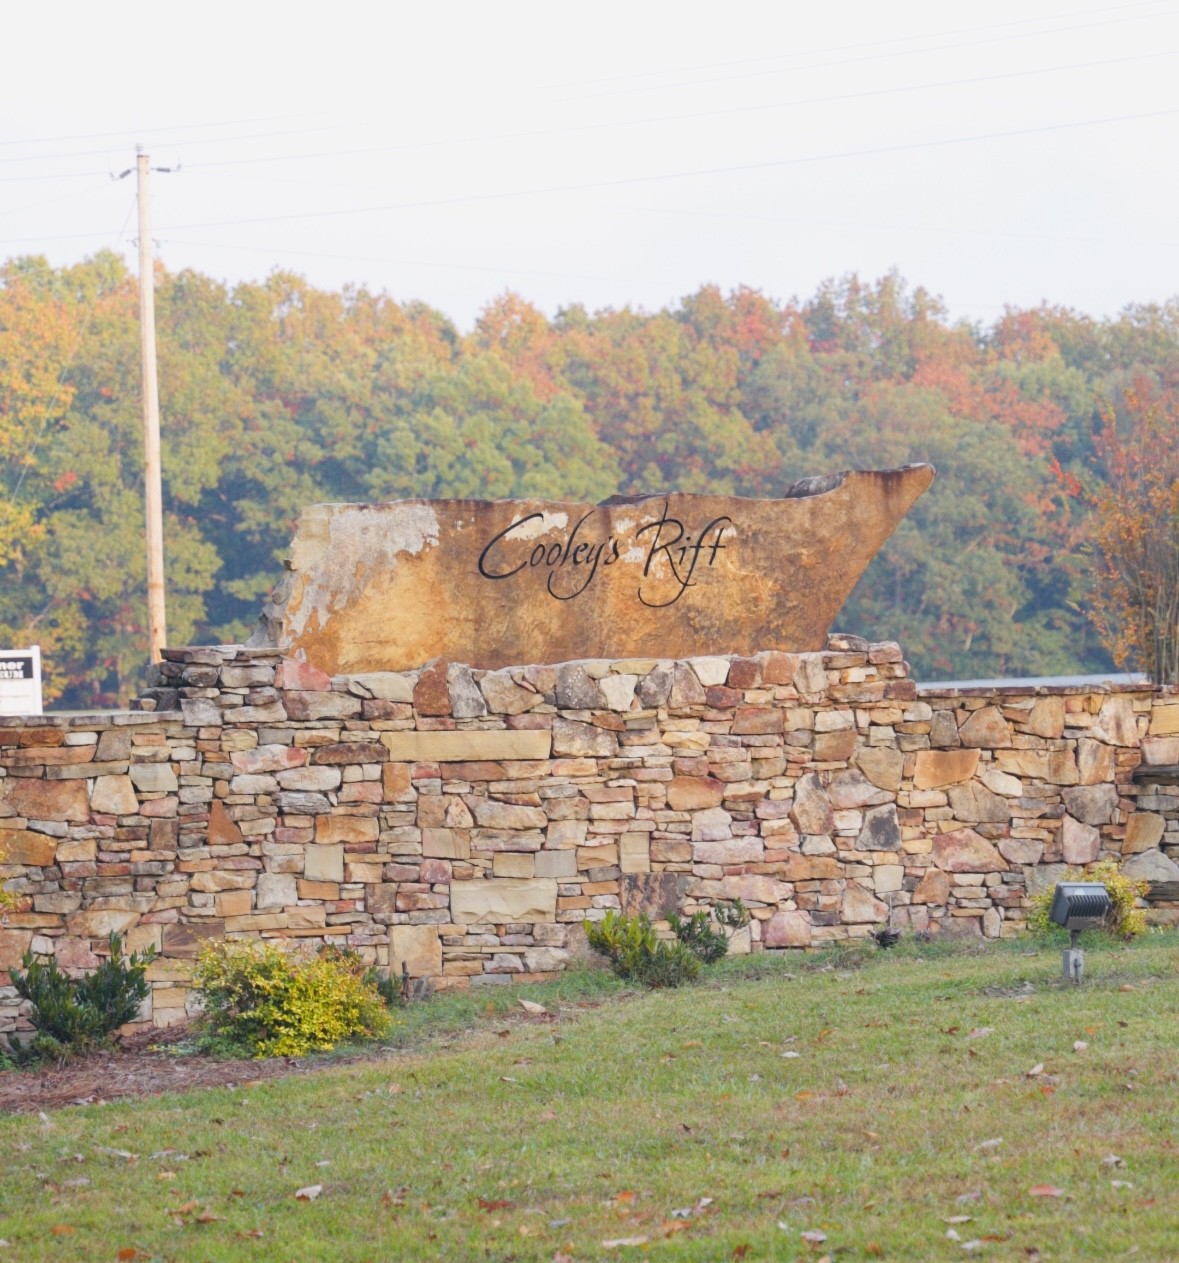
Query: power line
x=677 y=175
x=640 y=88
x=607 y=124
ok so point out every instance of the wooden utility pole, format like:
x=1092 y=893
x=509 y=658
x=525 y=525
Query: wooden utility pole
x=152 y=486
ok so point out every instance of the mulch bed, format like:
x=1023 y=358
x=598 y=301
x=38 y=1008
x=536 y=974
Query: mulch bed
x=144 y=1064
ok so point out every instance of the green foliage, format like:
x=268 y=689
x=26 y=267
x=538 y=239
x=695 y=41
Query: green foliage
x=266 y=1002
x=75 y=1015
x=698 y=936
x=276 y=395
x=635 y=951
x=1123 y=921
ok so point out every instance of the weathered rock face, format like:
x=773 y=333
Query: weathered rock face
x=388 y=587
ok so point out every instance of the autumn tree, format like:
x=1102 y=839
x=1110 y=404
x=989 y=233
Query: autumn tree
x=1134 y=532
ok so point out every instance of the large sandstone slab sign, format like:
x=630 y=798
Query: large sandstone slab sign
x=387 y=587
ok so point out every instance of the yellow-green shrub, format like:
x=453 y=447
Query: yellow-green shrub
x=262 y=999
x=1124 y=920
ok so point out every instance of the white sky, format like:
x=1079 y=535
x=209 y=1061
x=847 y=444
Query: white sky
x=609 y=153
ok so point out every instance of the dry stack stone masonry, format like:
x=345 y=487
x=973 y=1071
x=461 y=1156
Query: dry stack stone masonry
x=465 y=822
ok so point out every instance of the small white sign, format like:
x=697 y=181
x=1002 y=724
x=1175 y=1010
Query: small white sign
x=20 y=681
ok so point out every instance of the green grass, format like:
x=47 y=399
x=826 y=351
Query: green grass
x=480 y=1138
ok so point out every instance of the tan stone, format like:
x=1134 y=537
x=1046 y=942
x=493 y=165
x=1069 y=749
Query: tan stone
x=1144 y=831
x=223 y=830
x=973 y=803
x=324 y=863
x=503 y=899
x=492 y=814
x=1021 y=850
x=514 y=864
x=1046 y=718
x=1056 y=767
x=1160 y=751
x=18 y=846
x=835 y=747
x=233 y=903
x=395 y=781
x=1095 y=761
x=964 y=851
x=495 y=583
x=859 y=906
x=504 y=696
x=634 y=853
x=446 y=844
x=937 y=768
x=934 y=888
x=114 y=796
x=810 y=868
x=694 y=793
x=1079 y=843
x=787 y=929
x=72 y=850
x=36 y=799
x=101 y=923
x=811 y=812
x=571 y=737
x=13 y=945
x=419 y=947
x=557 y=863
x=882 y=765
x=329 y=829
x=467 y=745
x=1164 y=720
x=985 y=729
x=1116 y=723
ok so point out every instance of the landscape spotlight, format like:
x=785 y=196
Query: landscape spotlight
x=1077 y=906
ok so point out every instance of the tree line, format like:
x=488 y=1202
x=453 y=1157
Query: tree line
x=275 y=395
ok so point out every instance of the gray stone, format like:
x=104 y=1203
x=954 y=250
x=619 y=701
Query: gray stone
x=575 y=689
x=973 y=803
x=811 y=812
x=1091 y=804
x=655 y=688
x=1152 y=866
x=880 y=831
x=466 y=701
x=852 y=789
x=275 y=890
x=1079 y=843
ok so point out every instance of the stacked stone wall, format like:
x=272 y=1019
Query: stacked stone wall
x=466 y=822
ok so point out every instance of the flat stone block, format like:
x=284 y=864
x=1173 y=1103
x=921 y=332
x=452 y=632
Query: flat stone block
x=462 y=746
x=324 y=863
x=504 y=899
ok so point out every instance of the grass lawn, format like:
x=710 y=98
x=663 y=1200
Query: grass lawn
x=913 y=1104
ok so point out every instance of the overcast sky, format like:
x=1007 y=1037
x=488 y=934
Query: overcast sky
x=609 y=153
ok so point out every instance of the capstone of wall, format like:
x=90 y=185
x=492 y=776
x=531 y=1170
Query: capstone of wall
x=466 y=822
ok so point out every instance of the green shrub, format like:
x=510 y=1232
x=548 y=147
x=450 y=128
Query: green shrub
x=1123 y=920
x=267 y=1002
x=73 y=1015
x=698 y=936
x=635 y=952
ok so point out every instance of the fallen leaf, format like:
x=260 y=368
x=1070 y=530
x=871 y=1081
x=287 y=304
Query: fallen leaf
x=507 y=1078
x=619 y=1242
x=484 y=1204
x=993 y=1143
x=1112 y=1160
x=791 y=1053
x=1037 y=1069
x=207 y=1217
x=740 y=1251
x=813 y=1237
x=692 y=1043
x=625 y=1197
x=530 y=1006
x=1121 y=1184
x=804 y=1095
x=1079 y=1045
x=1126 y=986
x=127 y=1254
x=186 y=1209
x=393 y=1089
x=972 y=1245
x=309 y=1193
x=871 y=1135
x=252 y=1234
x=981 y=1032
x=1046 y=1190
x=62 y=1230
x=957 y=1219
x=952 y=1234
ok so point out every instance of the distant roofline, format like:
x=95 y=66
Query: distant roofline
x=1111 y=681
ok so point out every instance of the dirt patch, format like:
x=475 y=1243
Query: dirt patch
x=142 y=1065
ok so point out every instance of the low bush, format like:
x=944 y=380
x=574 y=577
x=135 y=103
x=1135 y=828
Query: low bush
x=75 y=1015
x=635 y=951
x=1124 y=920
x=267 y=1002
x=698 y=936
